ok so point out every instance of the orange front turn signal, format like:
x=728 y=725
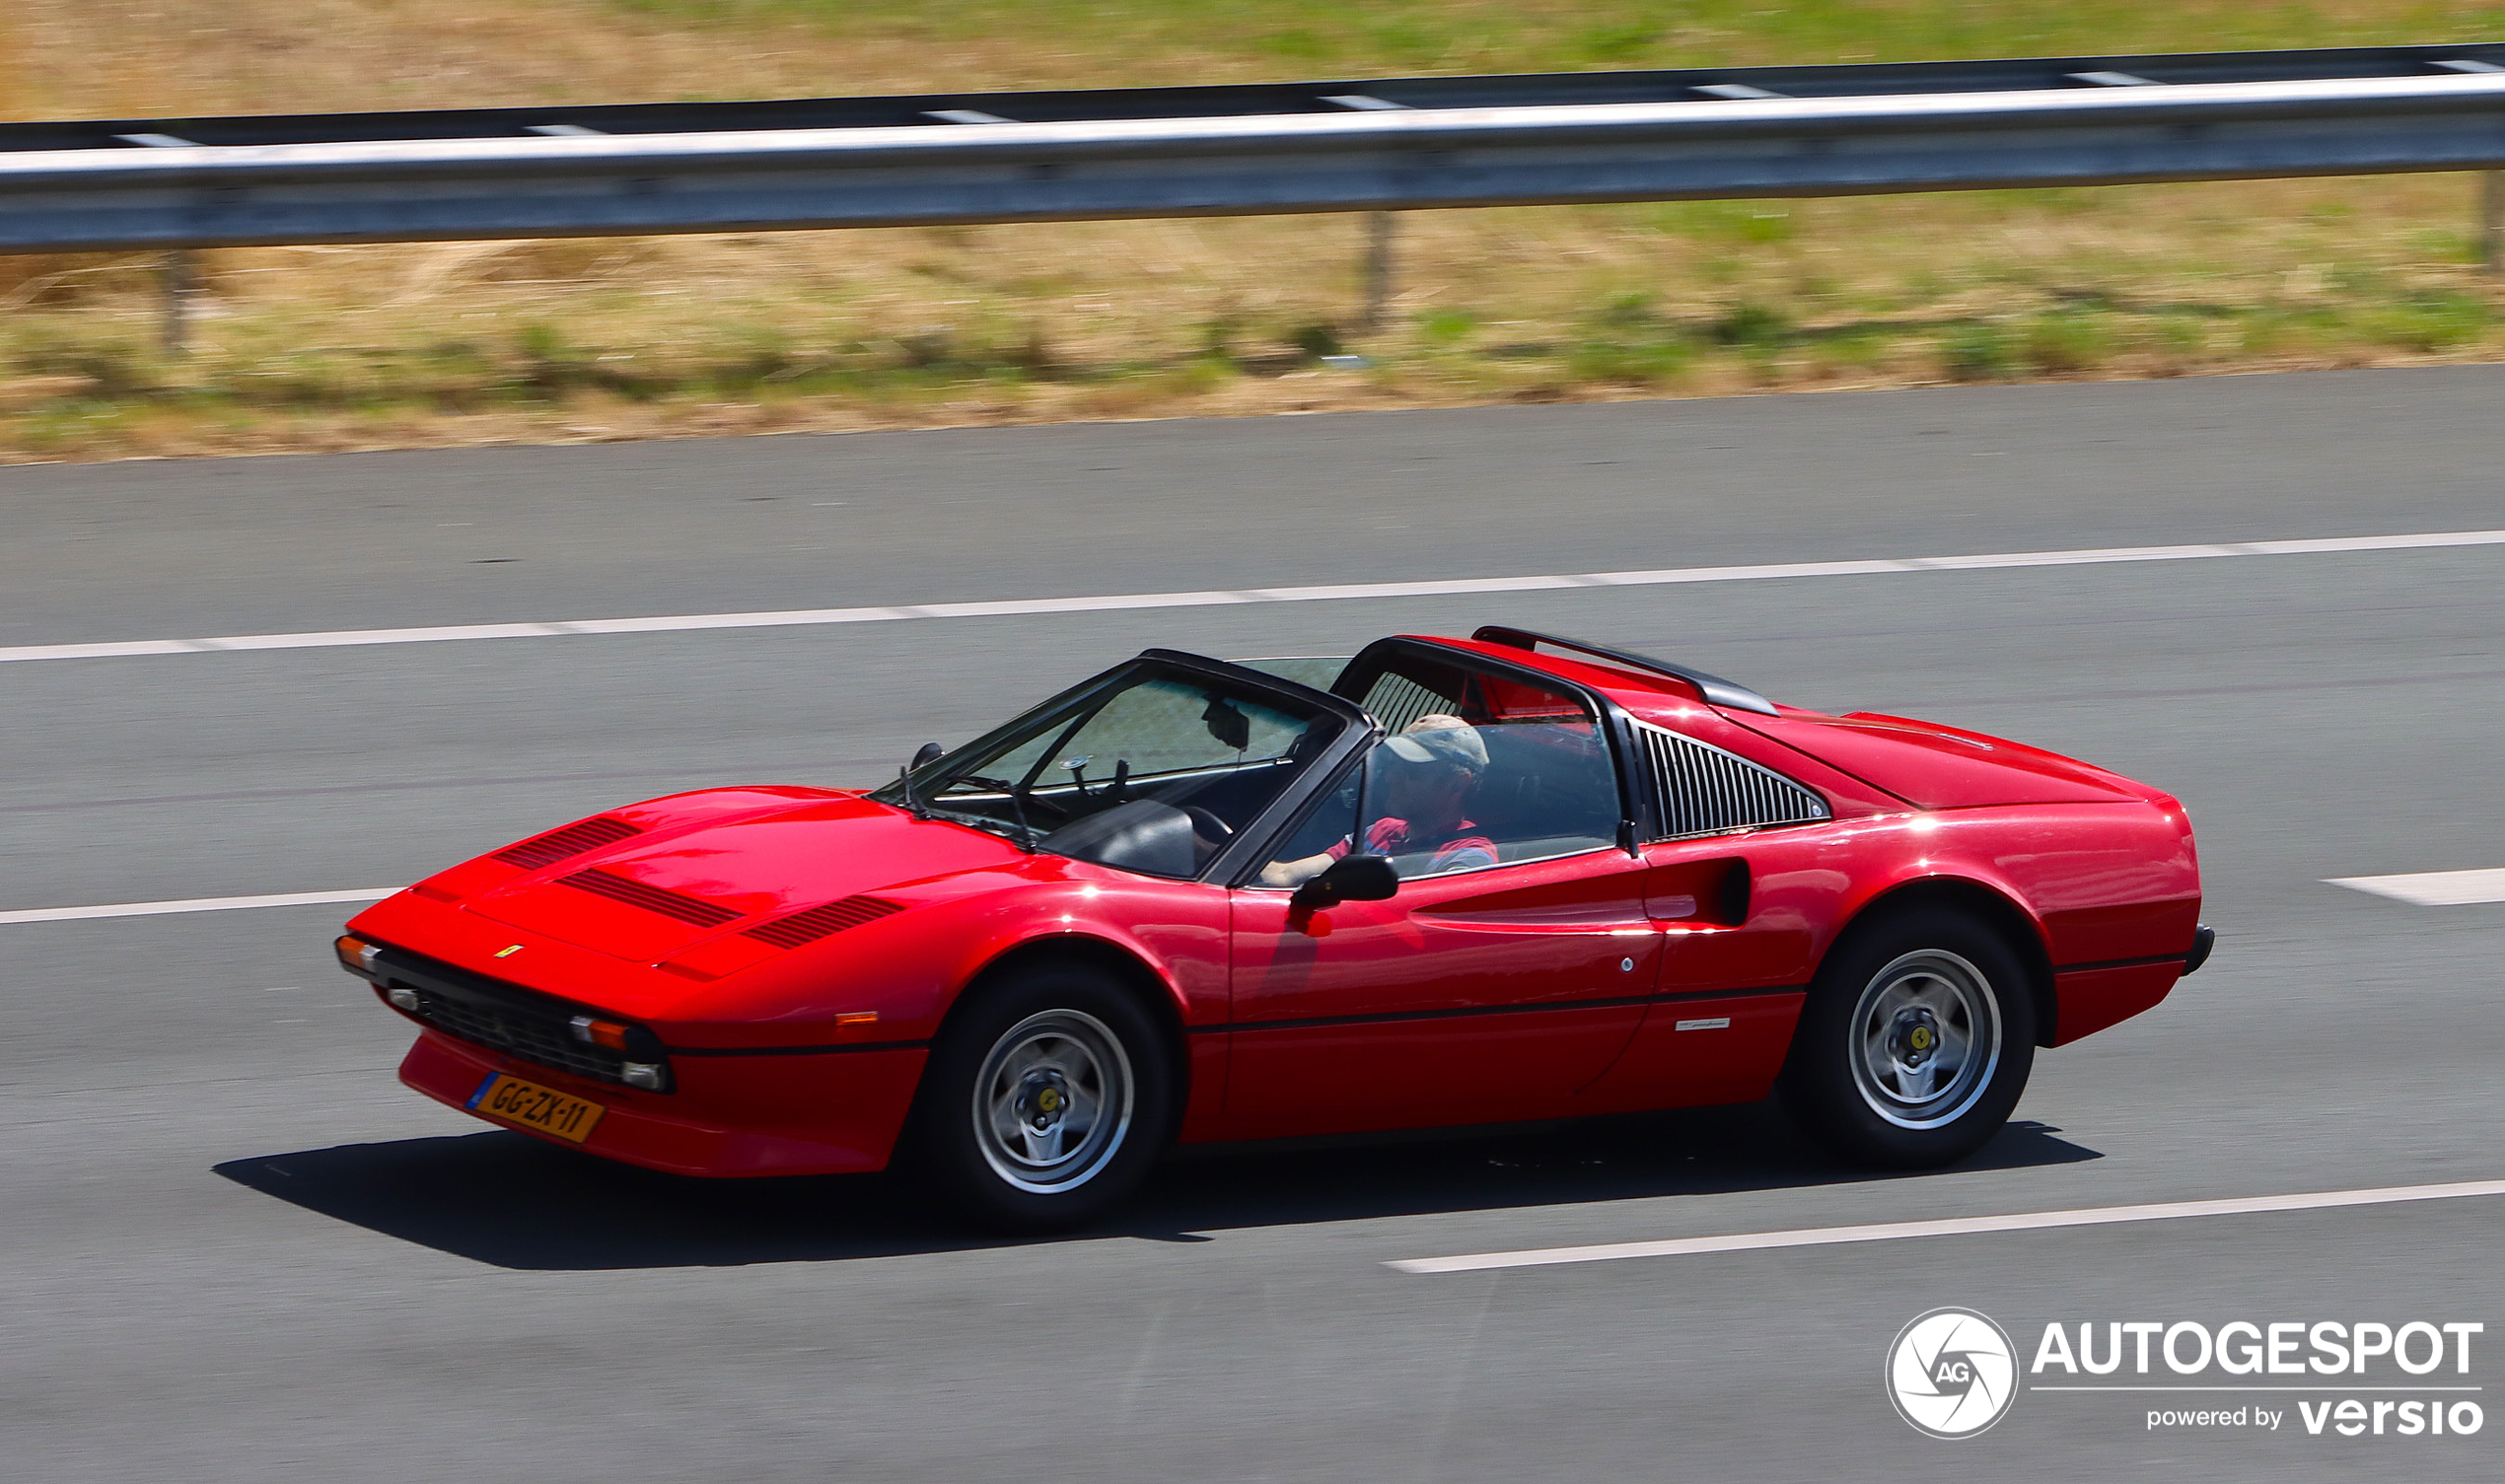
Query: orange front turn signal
x=598 y=1032
x=356 y=956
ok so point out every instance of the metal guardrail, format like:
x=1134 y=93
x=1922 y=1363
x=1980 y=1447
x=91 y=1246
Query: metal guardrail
x=1860 y=79
x=1360 y=146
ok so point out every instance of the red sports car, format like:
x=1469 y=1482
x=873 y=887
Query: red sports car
x=1446 y=882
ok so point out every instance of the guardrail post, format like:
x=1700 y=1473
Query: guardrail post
x=2492 y=219
x=179 y=278
x=1377 y=268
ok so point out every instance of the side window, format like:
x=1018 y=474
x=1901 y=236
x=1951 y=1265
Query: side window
x=1477 y=770
x=1324 y=835
x=1548 y=788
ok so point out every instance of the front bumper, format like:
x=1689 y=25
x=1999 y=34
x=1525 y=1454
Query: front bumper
x=813 y=1113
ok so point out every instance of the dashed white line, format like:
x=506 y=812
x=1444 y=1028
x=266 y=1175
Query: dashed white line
x=1961 y=1226
x=2432 y=888
x=1012 y=607
x=194 y=904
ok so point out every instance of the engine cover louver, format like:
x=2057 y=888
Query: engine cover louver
x=818 y=922
x=572 y=840
x=1701 y=789
x=660 y=900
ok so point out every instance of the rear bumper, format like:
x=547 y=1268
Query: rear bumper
x=2091 y=997
x=820 y=1113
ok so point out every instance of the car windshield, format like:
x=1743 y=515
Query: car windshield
x=1153 y=767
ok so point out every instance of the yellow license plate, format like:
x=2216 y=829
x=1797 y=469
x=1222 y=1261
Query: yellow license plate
x=506 y=1096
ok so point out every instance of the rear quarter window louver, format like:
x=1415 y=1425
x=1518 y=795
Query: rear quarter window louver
x=572 y=840
x=818 y=922
x=660 y=899
x=1701 y=789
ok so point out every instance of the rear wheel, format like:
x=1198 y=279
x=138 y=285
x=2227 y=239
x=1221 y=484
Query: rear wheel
x=1045 y=1101
x=1915 y=1043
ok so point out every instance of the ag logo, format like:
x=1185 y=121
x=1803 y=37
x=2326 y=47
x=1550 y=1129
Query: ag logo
x=1951 y=1372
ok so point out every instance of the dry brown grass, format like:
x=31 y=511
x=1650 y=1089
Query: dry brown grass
x=148 y=58
x=338 y=347
x=79 y=58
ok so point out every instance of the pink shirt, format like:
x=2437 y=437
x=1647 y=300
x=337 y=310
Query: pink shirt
x=1459 y=850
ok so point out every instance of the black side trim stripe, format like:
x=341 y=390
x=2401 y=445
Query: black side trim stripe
x=1459 y=1012
x=798 y=1050
x=1311 y=1022
x=1615 y=1002
x=1731 y=994
x=2152 y=958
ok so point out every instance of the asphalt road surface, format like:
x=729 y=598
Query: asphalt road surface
x=233 y=1248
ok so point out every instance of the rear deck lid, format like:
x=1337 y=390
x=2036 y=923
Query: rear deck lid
x=1932 y=766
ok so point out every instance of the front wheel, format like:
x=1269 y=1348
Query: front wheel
x=1045 y=1101
x=1915 y=1042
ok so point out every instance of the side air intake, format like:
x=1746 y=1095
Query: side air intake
x=660 y=899
x=818 y=922
x=1702 y=789
x=572 y=840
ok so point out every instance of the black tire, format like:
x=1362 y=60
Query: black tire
x=1907 y=992
x=1063 y=1050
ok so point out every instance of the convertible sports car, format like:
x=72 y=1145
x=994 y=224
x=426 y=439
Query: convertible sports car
x=1446 y=882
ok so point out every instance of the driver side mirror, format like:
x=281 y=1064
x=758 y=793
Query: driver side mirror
x=925 y=753
x=1353 y=877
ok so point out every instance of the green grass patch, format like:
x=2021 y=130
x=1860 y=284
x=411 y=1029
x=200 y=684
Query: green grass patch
x=2428 y=321
x=1978 y=353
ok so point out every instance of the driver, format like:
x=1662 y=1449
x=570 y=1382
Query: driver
x=1429 y=772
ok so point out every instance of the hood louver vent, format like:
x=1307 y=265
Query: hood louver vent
x=635 y=893
x=572 y=840
x=819 y=922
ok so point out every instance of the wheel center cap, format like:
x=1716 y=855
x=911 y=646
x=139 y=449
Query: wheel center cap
x=1043 y=1099
x=1915 y=1038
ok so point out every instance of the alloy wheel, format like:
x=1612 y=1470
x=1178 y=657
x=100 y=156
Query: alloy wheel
x=1926 y=1038
x=1053 y=1101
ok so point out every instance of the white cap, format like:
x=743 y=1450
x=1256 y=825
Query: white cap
x=1458 y=745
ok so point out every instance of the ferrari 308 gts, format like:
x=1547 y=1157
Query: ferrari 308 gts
x=1448 y=881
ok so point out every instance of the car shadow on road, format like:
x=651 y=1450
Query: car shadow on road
x=515 y=1202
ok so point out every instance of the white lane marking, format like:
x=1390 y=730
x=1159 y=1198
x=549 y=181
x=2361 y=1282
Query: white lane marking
x=1114 y=603
x=194 y=904
x=2431 y=889
x=1959 y=1225
x=348 y=637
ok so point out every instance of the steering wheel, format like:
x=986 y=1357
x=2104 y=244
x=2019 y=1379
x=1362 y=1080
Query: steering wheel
x=1208 y=827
